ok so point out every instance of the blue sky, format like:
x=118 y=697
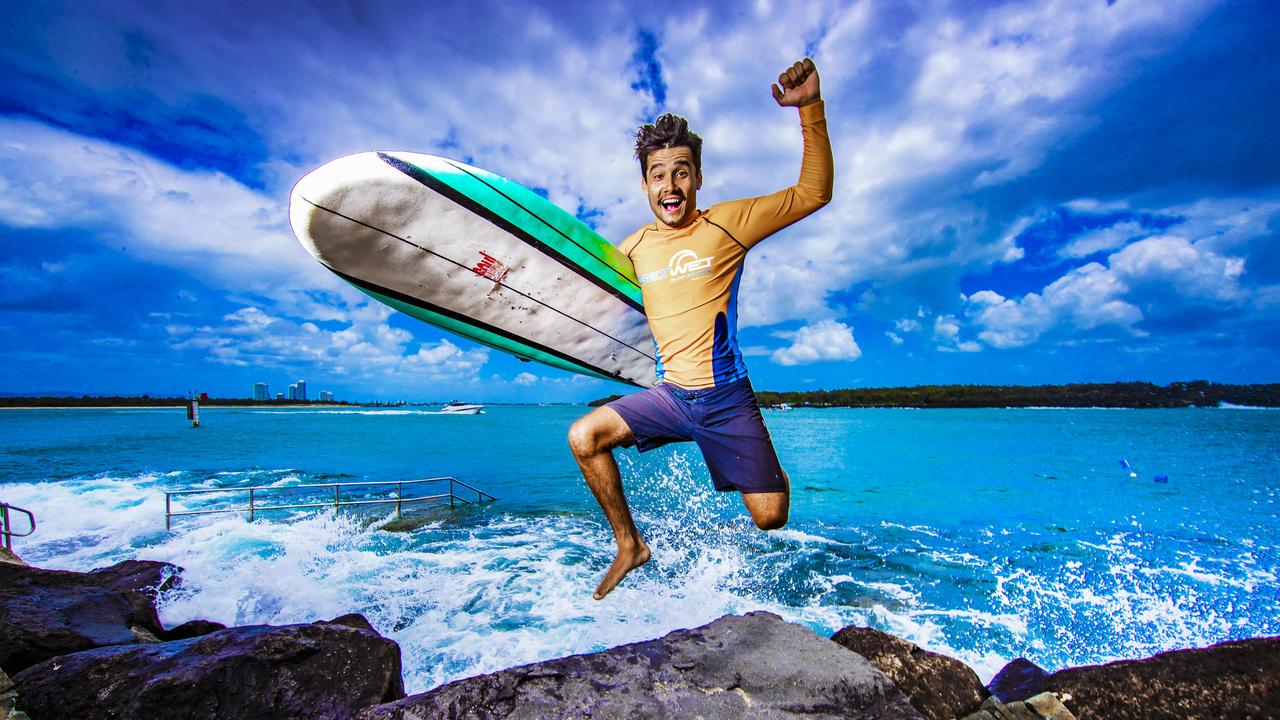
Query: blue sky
x=1026 y=192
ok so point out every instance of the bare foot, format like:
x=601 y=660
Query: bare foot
x=626 y=561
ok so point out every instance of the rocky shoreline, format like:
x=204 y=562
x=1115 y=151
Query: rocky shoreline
x=90 y=645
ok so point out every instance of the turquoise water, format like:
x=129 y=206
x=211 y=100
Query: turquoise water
x=984 y=534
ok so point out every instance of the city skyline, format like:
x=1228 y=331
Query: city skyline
x=296 y=391
x=1007 y=210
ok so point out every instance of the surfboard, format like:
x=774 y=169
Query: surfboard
x=480 y=256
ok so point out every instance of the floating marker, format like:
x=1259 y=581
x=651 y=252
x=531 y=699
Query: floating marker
x=193 y=409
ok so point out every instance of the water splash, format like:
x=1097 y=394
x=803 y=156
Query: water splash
x=476 y=591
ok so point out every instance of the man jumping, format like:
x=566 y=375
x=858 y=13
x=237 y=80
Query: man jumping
x=689 y=263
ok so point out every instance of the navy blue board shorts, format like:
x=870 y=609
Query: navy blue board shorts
x=724 y=421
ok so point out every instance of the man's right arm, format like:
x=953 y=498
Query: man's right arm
x=754 y=219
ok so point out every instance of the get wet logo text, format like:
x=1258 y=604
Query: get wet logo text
x=684 y=265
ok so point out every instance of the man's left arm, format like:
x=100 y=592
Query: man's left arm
x=755 y=219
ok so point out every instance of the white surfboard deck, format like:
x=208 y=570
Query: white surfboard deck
x=478 y=255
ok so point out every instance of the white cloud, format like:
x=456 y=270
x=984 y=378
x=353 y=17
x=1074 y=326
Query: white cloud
x=367 y=349
x=1146 y=279
x=946 y=331
x=525 y=378
x=1102 y=239
x=1174 y=266
x=1094 y=205
x=1085 y=298
x=197 y=220
x=946 y=328
x=1226 y=225
x=825 y=340
x=1011 y=70
x=907 y=325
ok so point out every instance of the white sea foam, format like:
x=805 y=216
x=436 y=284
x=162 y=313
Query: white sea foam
x=804 y=537
x=86 y=524
x=901 y=593
x=1012 y=622
x=1059 y=407
x=1133 y=609
x=922 y=529
x=478 y=591
x=370 y=412
x=461 y=597
x=949 y=557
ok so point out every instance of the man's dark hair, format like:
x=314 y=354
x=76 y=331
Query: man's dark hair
x=667 y=131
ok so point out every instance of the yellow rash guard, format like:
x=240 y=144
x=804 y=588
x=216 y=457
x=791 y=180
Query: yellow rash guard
x=689 y=275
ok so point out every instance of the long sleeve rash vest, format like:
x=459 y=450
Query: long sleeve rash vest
x=689 y=275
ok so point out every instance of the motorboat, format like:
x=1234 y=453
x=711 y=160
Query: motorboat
x=461 y=408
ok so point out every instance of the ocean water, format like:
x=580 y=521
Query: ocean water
x=983 y=534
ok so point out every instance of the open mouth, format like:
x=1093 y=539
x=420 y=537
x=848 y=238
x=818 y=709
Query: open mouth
x=671 y=204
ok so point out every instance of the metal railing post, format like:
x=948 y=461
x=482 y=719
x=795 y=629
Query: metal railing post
x=6 y=525
x=168 y=511
x=399 y=497
x=450 y=492
x=336 y=503
x=250 y=504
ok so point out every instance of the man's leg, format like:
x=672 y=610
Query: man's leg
x=592 y=439
x=769 y=510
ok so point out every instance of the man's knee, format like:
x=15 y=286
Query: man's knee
x=583 y=438
x=592 y=434
x=769 y=510
x=773 y=520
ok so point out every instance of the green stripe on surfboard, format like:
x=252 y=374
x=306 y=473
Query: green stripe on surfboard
x=542 y=219
x=483 y=336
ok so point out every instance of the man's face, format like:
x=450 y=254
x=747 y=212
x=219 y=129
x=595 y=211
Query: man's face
x=672 y=184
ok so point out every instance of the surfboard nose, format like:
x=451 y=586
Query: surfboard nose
x=320 y=200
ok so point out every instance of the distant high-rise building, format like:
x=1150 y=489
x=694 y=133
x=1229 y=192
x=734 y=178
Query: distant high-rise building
x=279 y=396
x=293 y=391
x=260 y=392
x=302 y=390
x=326 y=396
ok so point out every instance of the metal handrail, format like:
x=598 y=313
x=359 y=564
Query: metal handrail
x=253 y=507
x=6 y=530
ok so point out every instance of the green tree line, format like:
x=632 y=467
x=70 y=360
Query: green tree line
x=1196 y=393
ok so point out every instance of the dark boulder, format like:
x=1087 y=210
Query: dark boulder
x=1239 y=679
x=148 y=577
x=1018 y=680
x=940 y=687
x=353 y=620
x=736 y=667
x=321 y=670
x=44 y=613
x=192 y=628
